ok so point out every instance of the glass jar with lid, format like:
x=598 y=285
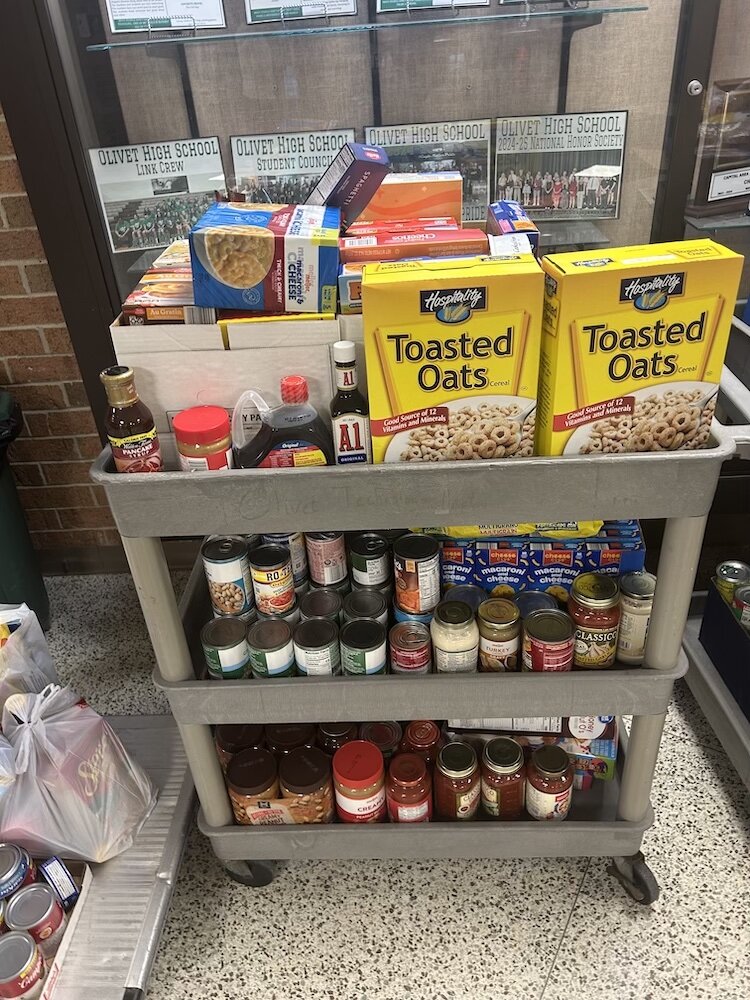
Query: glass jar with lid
x=503 y=778
x=305 y=779
x=499 y=635
x=409 y=790
x=281 y=738
x=385 y=735
x=455 y=638
x=423 y=738
x=456 y=782
x=251 y=775
x=549 y=784
x=233 y=739
x=594 y=606
x=333 y=735
x=636 y=604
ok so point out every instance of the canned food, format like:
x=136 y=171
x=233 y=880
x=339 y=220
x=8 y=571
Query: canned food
x=271 y=649
x=469 y=593
x=342 y=587
x=253 y=541
x=37 y=910
x=363 y=647
x=529 y=601
x=291 y=617
x=295 y=542
x=399 y=615
x=548 y=641
x=369 y=555
x=386 y=736
x=366 y=604
x=227 y=571
x=323 y=603
x=326 y=555
x=22 y=968
x=499 y=634
x=416 y=565
x=316 y=647
x=386 y=589
x=248 y=617
x=273 y=583
x=300 y=589
x=741 y=605
x=233 y=739
x=16 y=869
x=411 y=648
x=729 y=575
x=225 y=651
x=636 y=603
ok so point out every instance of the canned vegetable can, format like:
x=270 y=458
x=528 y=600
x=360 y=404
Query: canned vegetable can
x=363 y=647
x=225 y=648
x=316 y=647
x=416 y=566
x=271 y=649
x=369 y=554
x=227 y=571
x=273 y=582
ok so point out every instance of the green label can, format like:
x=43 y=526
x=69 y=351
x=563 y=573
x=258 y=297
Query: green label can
x=225 y=648
x=363 y=647
x=271 y=648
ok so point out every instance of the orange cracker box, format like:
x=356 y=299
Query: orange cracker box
x=633 y=345
x=452 y=351
x=420 y=243
x=408 y=196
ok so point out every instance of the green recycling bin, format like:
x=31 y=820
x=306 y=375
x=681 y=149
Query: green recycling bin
x=20 y=577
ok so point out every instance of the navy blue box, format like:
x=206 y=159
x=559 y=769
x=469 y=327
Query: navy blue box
x=728 y=645
x=351 y=180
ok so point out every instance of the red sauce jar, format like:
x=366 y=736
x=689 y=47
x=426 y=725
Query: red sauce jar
x=408 y=790
x=503 y=778
x=549 y=784
x=594 y=606
x=456 y=782
x=423 y=738
x=359 y=783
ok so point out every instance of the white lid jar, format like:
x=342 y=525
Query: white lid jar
x=455 y=638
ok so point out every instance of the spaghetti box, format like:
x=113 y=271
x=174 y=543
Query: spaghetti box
x=351 y=180
x=509 y=217
x=272 y=258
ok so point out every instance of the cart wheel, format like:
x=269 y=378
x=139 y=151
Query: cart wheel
x=252 y=873
x=635 y=876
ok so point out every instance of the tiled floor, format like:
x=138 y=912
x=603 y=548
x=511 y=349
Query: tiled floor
x=475 y=930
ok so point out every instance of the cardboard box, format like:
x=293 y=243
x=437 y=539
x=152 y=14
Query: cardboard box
x=351 y=180
x=506 y=217
x=407 y=196
x=350 y=288
x=401 y=226
x=274 y=258
x=175 y=256
x=83 y=878
x=445 y=242
x=164 y=297
x=633 y=346
x=509 y=245
x=451 y=345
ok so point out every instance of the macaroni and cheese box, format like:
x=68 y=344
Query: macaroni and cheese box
x=427 y=242
x=406 y=196
x=351 y=180
x=272 y=258
x=506 y=217
x=452 y=352
x=633 y=345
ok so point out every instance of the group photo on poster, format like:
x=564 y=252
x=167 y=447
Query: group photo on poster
x=563 y=167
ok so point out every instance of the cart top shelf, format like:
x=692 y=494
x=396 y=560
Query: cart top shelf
x=667 y=484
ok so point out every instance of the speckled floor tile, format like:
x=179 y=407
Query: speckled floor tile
x=365 y=930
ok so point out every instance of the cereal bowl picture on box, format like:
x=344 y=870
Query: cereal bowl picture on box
x=478 y=427
x=674 y=416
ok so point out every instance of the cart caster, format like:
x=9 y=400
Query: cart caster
x=252 y=873
x=636 y=878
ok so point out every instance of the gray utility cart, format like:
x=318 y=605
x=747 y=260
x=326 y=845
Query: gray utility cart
x=609 y=820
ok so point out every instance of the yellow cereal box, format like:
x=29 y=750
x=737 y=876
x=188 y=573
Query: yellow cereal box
x=452 y=350
x=633 y=345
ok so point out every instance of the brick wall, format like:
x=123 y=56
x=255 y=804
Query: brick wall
x=51 y=458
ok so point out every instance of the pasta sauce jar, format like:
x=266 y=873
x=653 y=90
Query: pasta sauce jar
x=503 y=778
x=456 y=782
x=359 y=783
x=594 y=606
x=409 y=790
x=423 y=738
x=549 y=784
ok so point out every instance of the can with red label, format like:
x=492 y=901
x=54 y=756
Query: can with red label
x=37 y=910
x=411 y=648
x=22 y=968
x=548 y=641
x=16 y=869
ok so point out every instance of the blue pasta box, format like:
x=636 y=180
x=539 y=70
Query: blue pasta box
x=457 y=563
x=505 y=217
x=266 y=258
x=351 y=180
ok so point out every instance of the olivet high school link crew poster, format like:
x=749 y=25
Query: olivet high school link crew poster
x=562 y=166
x=153 y=193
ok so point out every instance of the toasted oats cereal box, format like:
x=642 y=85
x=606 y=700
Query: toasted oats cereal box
x=452 y=350
x=272 y=258
x=633 y=345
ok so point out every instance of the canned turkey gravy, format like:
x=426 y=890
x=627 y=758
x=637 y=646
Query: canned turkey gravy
x=548 y=641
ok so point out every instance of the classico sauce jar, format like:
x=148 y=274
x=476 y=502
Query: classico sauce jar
x=594 y=606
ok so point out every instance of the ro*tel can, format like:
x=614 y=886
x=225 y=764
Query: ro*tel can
x=228 y=575
x=369 y=555
x=273 y=582
x=416 y=564
x=326 y=555
x=295 y=542
x=729 y=576
x=22 y=968
x=16 y=869
x=548 y=641
x=224 y=642
x=37 y=910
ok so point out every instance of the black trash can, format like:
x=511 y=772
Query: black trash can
x=20 y=577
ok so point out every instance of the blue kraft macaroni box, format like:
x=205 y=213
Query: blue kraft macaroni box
x=266 y=258
x=351 y=180
x=505 y=217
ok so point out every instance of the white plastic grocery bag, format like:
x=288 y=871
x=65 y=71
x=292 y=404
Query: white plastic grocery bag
x=25 y=662
x=76 y=791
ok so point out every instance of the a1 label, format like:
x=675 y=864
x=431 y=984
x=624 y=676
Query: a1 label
x=351 y=439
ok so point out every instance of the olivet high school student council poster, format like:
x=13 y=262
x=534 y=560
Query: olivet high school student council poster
x=153 y=193
x=284 y=167
x=562 y=166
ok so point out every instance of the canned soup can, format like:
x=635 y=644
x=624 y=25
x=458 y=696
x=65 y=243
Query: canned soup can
x=295 y=542
x=271 y=649
x=273 y=582
x=316 y=647
x=363 y=647
x=225 y=648
x=741 y=605
x=228 y=575
x=416 y=565
x=411 y=648
x=366 y=604
x=322 y=603
x=730 y=575
x=369 y=554
x=548 y=641
x=22 y=968
x=16 y=869
x=326 y=556
x=37 y=910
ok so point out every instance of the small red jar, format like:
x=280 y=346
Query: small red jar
x=456 y=782
x=203 y=438
x=594 y=606
x=359 y=783
x=409 y=790
x=423 y=738
x=549 y=784
x=385 y=735
x=503 y=778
